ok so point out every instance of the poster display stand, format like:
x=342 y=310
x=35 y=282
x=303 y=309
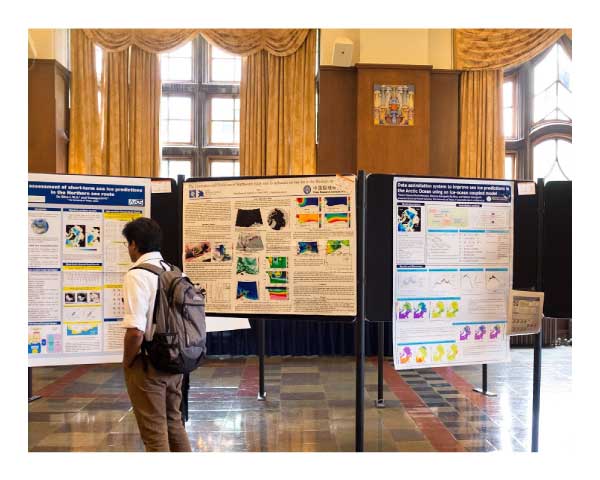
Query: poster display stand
x=328 y=233
x=77 y=258
x=279 y=247
x=162 y=208
x=484 y=382
x=537 y=346
x=262 y=394
x=380 y=403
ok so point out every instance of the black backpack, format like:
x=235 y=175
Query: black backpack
x=179 y=340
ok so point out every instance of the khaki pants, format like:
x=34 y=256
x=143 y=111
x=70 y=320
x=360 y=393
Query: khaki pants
x=156 y=397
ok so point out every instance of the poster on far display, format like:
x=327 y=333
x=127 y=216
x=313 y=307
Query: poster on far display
x=273 y=245
x=77 y=259
x=452 y=271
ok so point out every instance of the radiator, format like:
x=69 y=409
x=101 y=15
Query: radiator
x=549 y=335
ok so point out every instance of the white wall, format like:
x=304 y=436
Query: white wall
x=328 y=38
x=49 y=44
x=393 y=46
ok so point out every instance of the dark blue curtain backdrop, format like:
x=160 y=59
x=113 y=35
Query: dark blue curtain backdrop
x=298 y=337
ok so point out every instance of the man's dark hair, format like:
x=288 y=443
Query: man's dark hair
x=146 y=234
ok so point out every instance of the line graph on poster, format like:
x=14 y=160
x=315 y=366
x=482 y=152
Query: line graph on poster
x=443 y=280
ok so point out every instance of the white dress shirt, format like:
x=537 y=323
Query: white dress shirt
x=139 y=294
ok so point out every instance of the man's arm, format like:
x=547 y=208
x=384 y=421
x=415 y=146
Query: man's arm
x=136 y=299
x=131 y=345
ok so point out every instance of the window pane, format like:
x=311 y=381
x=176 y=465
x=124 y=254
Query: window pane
x=222 y=109
x=164 y=168
x=164 y=131
x=236 y=168
x=236 y=107
x=507 y=94
x=183 y=51
x=544 y=154
x=544 y=105
x=180 y=167
x=565 y=158
x=237 y=70
x=177 y=64
x=564 y=100
x=564 y=67
x=508 y=122
x=221 y=132
x=180 y=69
x=223 y=71
x=508 y=167
x=170 y=168
x=222 y=168
x=217 y=52
x=164 y=107
x=236 y=133
x=179 y=131
x=180 y=108
x=176 y=119
x=545 y=71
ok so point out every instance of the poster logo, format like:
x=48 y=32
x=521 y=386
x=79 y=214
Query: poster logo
x=307 y=189
x=196 y=193
x=135 y=202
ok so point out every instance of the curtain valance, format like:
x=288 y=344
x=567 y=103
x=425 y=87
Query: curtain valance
x=478 y=49
x=244 y=42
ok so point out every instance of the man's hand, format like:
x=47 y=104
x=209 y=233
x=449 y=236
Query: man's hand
x=131 y=345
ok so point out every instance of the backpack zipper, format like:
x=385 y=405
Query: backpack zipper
x=183 y=321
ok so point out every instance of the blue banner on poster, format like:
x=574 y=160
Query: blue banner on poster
x=87 y=194
x=453 y=192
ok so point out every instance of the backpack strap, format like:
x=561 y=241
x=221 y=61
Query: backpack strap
x=149 y=268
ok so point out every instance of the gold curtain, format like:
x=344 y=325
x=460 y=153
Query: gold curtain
x=481 y=139
x=277 y=99
x=84 y=144
x=477 y=49
x=144 y=107
x=115 y=113
x=151 y=40
x=253 y=115
x=483 y=54
x=246 y=41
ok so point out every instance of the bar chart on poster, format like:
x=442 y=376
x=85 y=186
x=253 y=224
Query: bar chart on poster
x=76 y=263
x=282 y=245
x=452 y=271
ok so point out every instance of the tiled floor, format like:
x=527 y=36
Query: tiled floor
x=310 y=407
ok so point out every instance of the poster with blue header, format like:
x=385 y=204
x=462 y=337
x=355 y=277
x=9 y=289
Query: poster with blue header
x=77 y=258
x=452 y=271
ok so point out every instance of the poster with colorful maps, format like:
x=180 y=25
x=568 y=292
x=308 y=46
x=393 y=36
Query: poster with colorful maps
x=77 y=258
x=452 y=271
x=290 y=244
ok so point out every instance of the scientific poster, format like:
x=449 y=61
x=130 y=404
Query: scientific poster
x=453 y=242
x=77 y=259
x=273 y=245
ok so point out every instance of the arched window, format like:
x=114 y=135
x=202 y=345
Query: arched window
x=538 y=116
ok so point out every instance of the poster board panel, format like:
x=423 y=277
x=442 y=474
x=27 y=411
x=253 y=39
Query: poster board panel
x=76 y=263
x=452 y=271
x=282 y=246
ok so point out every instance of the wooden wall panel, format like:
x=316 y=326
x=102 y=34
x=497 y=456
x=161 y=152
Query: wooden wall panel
x=391 y=149
x=337 y=120
x=444 y=134
x=48 y=112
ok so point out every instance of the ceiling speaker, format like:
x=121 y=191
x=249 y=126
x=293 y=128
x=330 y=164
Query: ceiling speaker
x=342 y=52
